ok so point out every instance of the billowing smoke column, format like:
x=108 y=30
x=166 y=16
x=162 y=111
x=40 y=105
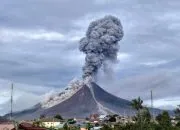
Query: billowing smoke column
x=100 y=44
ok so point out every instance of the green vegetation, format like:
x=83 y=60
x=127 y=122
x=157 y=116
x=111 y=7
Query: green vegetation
x=112 y=119
x=164 y=120
x=71 y=121
x=177 y=113
x=38 y=123
x=135 y=126
x=137 y=103
x=66 y=127
x=141 y=121
x=58 y=117
x=88 y=126
x=42 y=116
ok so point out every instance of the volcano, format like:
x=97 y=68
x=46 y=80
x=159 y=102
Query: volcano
x=80 y=104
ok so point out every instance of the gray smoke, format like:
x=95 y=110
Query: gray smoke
x=100 y=44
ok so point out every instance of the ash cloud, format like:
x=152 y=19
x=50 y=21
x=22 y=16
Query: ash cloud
x=101 y=44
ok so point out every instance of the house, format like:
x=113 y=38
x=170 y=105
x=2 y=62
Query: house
x=94 y=118
x=80 y=122
x=28 y=126
x=174 y=121
x=6 y=125
x=103 y=117
x=124 y=119
x=52 y=122
x=96 y=128
x=83 y=127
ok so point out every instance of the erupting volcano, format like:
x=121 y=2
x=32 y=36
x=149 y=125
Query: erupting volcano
x=78 y=100
x=82 y=98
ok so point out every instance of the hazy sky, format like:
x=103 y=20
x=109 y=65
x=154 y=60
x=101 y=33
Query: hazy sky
x=39 y=48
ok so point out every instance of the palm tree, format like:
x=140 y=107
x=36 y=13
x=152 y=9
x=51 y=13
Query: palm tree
x=177 y=112
x=137 y=104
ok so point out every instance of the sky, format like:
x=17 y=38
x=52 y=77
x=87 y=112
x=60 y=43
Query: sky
x=39 y=49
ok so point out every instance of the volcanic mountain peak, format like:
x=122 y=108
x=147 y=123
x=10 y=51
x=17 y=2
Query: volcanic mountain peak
x=79 y=100
x=57 y=98
x=88 y=81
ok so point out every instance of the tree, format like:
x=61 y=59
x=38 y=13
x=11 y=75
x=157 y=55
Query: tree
x=178 y=124
x=106 y=127
x=88 y=126
x=97 y=124
x=164 y=120
x=115 y=115
x=145 y=115
x=71 y=121
x=87 y=118
x=177 y=112
x=65 y=127
x=42 y=116
x=58 y=117
x=38 y=123
x=137 y=103
x=112 y=119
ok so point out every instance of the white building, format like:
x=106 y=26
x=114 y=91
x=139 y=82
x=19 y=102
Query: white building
x=52 y=122
x=96 y=128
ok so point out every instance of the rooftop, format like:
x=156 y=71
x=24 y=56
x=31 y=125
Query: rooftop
x=51 y=120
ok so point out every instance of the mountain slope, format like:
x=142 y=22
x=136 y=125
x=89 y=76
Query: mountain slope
x=112 y=102
x=81 y=104
x=85 y=101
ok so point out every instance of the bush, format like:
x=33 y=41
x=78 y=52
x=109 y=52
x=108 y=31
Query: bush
x=58 y=117
x=178 y=124
x=164 y=120
x=112 y=119
x=71 y=121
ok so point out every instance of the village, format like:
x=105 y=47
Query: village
x=95 y=122
x=144 y=118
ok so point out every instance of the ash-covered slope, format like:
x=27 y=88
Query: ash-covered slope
x=81 y=104
x=116 y=104
x=85 y=101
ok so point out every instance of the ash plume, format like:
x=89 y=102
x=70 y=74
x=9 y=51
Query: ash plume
x=100 y=44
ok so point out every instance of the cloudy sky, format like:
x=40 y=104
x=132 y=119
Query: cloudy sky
x=39 y=48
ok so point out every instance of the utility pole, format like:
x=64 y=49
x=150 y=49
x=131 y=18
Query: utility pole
x=152 y=104
x=11 y=102
x=16 y=124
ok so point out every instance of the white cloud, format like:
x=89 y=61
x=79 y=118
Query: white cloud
x=165 y=103
x=83 y=22
x=172 y=16
x=7 y=35
x=75 y=38
x=101 y=2
x=124 y=57
x=15 y=35
x=155 y=63
x=28 y=95
x=75 y=35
